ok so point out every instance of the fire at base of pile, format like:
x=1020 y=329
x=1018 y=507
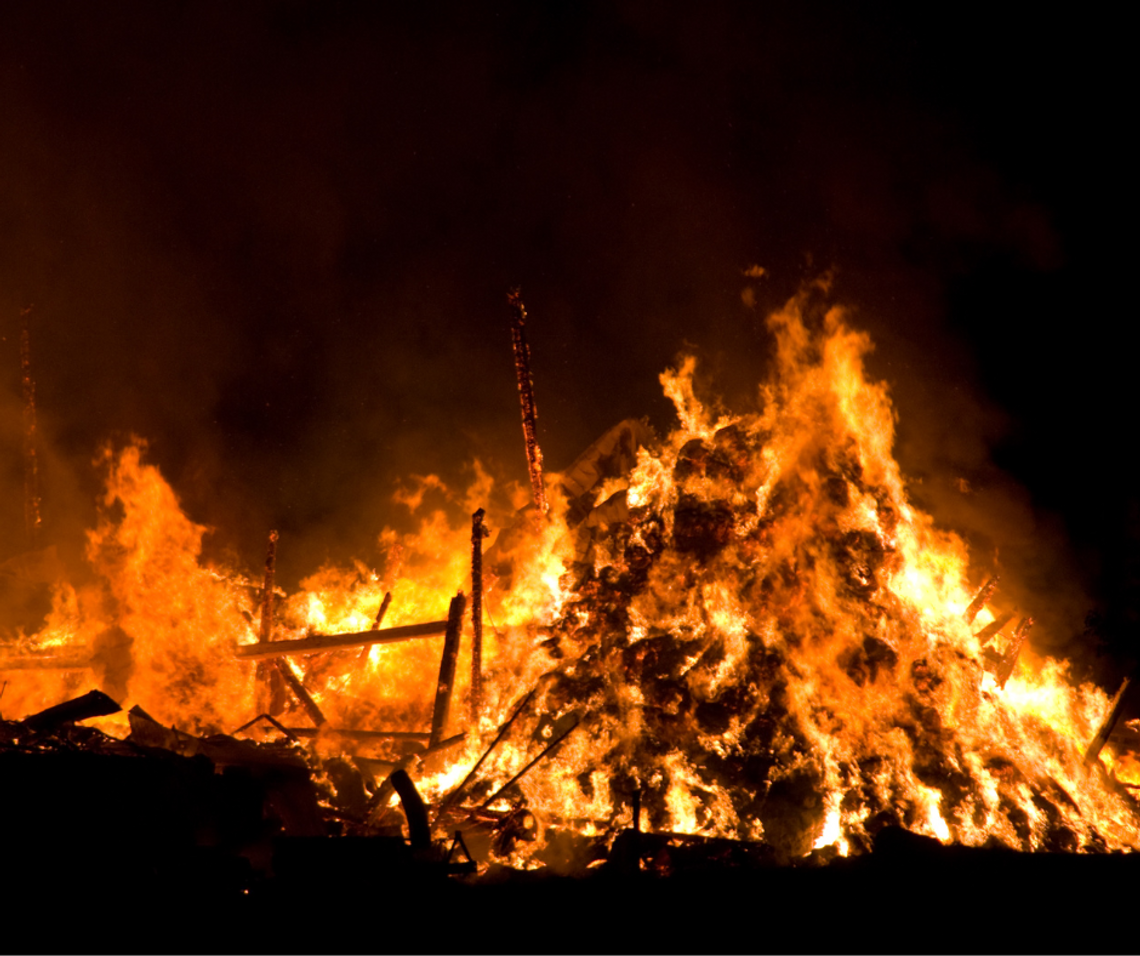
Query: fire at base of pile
x=770 y=643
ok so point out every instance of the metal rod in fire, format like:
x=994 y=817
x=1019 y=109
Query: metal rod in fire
x=32 y=518
x=526 y=397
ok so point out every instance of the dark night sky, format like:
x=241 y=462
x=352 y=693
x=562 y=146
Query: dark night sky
x=274 y=239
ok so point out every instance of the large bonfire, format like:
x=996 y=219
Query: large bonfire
x=748 y=630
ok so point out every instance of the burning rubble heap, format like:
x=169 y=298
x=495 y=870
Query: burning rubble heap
x=740 y=632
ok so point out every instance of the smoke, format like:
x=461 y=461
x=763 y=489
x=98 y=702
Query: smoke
x=274 y=241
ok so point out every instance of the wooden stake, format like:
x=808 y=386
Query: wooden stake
x=478 y=533
x=442 y=709
x=526 y=397
x=269 y=677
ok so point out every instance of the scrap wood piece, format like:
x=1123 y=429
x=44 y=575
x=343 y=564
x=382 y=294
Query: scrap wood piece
x=317 y=643
x=1005 y=669
x=1114 y=711
x=984 y=594
x=991 y=630
x=415 y=811
x=478 y=533
x=518 y=776
x=442 y=709
x=92 y=704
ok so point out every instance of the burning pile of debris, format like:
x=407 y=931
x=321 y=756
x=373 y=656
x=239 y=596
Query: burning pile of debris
x=736 y=646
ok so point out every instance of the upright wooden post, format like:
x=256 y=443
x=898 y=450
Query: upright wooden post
x=269 y=677
x=526 y=397
x=478 y=533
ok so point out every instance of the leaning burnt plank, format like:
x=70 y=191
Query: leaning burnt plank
x=1110 y=720
x=285 y=669
x=990 y=631
x=325 y=642
x=92 y=704
x=442 y=709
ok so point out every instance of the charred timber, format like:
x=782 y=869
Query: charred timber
x=1005 y=669
x=990 y=631
x=317 y=643
x=442 y=710
x=982 y=598
x=478 y=533
x=298 y=689
x=383 y=610
x=357 y=734
x=526 y=397
x=1110 y=720
x=92 y=704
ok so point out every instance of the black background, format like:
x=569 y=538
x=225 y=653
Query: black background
x=274 y=240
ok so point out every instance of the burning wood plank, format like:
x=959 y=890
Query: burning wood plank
x=92 y=704
x=442 y=710
x=526 y=397
x=982 y=598
x=295 y=685
x=1005 y=668
x=269 y=679
x=317 y=643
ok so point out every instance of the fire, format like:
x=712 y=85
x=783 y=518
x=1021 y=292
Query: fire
x=752 y=631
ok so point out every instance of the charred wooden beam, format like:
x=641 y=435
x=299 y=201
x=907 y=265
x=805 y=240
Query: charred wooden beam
x=454 y=795
x=32 y=519
x=990 y=631
x=295 y=685
x=982 y=597
x=379 y=619
x=383 y=610
x=1110 y=720
x=1008 y=663
x=526 y=397
x=270 y=679
x=525 y=770
x=478 y=533
x=45 y=662
x=266 y=634
x=92 y=704
x=317 y=643
x=442 y=710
